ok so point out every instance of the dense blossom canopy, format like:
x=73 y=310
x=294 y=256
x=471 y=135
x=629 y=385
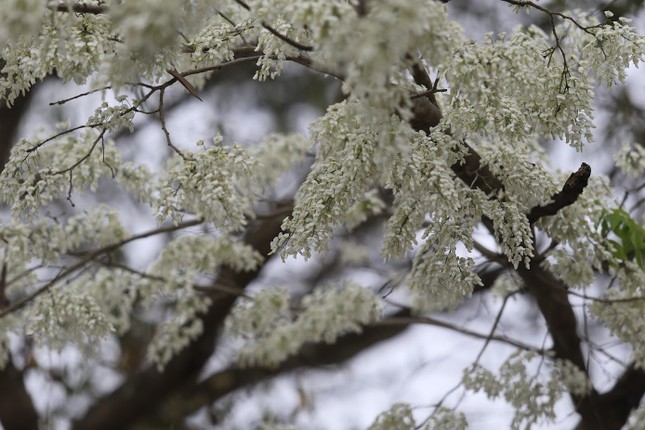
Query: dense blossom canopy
x=442 y=161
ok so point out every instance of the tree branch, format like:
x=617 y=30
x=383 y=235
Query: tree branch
x=16 y=408
x=140 y=395
x=82 y=8
x=617 y=403
x=226 y=381
x=573 y=187
x=90 y=256
x=550 y=292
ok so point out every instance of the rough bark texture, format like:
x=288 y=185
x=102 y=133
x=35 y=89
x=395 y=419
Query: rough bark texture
x=607 y=411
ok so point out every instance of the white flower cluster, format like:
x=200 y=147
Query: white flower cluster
x=624 y=316
x=526 y=183
x=581 y=249
x=533 y=397
x=214 y=184
x=505 y=90
x=375 y=46
x=273 y=331
x=181 y=328
x=275 y=51
x=187 y=256
x=631 y=160
x=20 y=18
x=335 y=183
x=73 y=46
x=277 y=154
x=83 y=310
x=147 y=26
x=610 y=49
x=359 y=212
x=38 y=174
x=322 y=17
x=214 y=43
x=112 y=118
x=440 y=278
x=423 y=183
x=79 y=311
x=171 y=278
x=512 y=231
x=26 y=245
x=444 y=418
x=398 y=417
x=576 y=381
x=573 y=266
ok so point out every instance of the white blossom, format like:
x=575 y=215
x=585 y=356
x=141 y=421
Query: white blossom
x=533 y=396
x=272 y=331
x=444 y=418
x=502 y=96
x=215 y=184
x=631 y=160
x=399 y=416
x=20 y=18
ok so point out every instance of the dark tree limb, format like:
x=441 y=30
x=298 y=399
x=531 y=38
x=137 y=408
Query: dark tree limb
x=82 y=8
x=17 y=411
x=16 y=408
x=573 y=187
x=617 y=403
x=10 y=118
x=141 y=394
x=551 y=293
x=227 y=381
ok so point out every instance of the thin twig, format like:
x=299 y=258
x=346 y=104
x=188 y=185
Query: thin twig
x=162 y=120
x=492 y=330
x=63 y=101
x=201 y=288
x=90 y=257
x=276 y=33
x=550 y=13
x=438 y=323
x=607 y=301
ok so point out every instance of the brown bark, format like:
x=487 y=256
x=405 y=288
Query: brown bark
x=10 y=118
x=216 y=386
x=141 y=395
x=606 y=411
x=16 y=408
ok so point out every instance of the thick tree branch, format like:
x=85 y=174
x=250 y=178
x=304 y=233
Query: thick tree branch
x=82 y=8
x=618 y=402
x=141 y=395
x=573 y=187
x=553 y=302
x=224 y=382
x=550 y=292
x=16 y=408
x=427 y=114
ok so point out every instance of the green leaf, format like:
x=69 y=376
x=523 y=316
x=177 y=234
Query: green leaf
x=631 y=235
